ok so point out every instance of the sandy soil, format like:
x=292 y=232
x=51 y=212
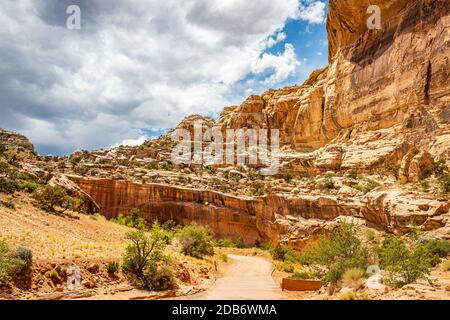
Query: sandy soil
x=243 y=278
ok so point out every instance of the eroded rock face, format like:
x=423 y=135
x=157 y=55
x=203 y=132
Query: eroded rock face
x=274 y=218
x=392 y=83
x=15 y=140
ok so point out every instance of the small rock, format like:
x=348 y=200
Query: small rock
x=93 y=268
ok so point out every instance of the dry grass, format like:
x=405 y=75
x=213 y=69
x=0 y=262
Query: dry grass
x=446 y=266
x=52 y=237
x=354 y=278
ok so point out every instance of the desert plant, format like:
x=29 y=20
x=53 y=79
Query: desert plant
x=302 y=276
x=240 y=243
x=258 y=188
x=9 y=265
x=353 y=278
x=196 y=241
x=8 y=185
x=29 y=186
x=145 y=259
x=405 y=261
x=112 y=267
x=49 y=197
x=223 y=257
x=327 y=185
x=446 y=266
x=288 y=267
x=24 y=260
x=445 y=183
x=225 y=243
x=334 y=255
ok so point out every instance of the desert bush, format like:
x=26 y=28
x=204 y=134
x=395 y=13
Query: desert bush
x=223 y=257
x=446 y=265
x=29 y=186
x=152 y=165
x=445 y=183
x=370 y=185
x=439 y=169
x=352 y=175
x=405 y=261
x=258 y=189
x=439 y=249
x=8 y=186
x=112 y=267
x=145 y=259
x=288 y=267
x=240 y=243
x=225 y=243
x=353 y=278
x=288 y=177
x=302 y=276
x=339 y=252
x=327 y=185
x=196 y=241
x=13 y=263
x=133 y=220
x=49 y=197
x=80 y=170
x=24 y=257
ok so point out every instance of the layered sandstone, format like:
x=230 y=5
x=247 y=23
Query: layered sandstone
x=15 y=140
x=274 y=218
x=391 y=85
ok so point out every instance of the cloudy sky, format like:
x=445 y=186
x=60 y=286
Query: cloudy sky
x=137 y=67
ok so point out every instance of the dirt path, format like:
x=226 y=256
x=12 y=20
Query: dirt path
x=245 y=278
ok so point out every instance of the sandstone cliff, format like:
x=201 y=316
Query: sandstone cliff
x=383 y=91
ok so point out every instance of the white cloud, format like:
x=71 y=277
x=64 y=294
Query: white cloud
x=313 y=12
x=134 y=64
x=283 y=64
x=131 y=142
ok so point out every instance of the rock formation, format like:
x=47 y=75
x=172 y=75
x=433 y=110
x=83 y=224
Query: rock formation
x=15 y=140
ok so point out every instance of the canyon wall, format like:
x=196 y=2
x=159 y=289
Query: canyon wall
x=391 y=85
x=274 y=218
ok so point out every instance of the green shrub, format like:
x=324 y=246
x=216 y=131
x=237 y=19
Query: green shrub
x=8 y=186
x=223 y=257
x=145 y=259
x=226 y=243
x=352 y=175
x=9 y=265
x=112 y=267
x=327 y=185
x=334 y=255
x=370 y=185
x=152 y=165
x=404 y=261
x=425 y=185
x=49 y=197
x=258 y=188
x=438 y=168
x=240 y=243
x=445 y=183
x=24 y=256
x=439 y=248
x=301 y=276
x=288 y=267
x=29 y=186
x=196 y=241
x=288 y=177
x=133 y=220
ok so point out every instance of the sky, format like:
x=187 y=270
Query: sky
x=138 y=67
